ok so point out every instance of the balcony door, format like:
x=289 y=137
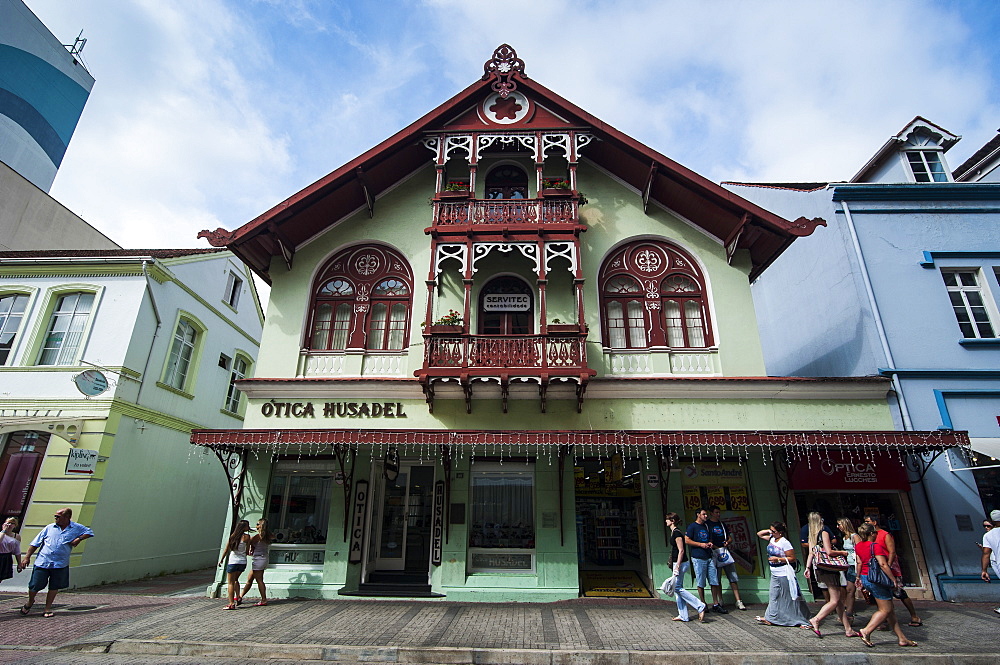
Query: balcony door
x=507 y=182
x=506 y=307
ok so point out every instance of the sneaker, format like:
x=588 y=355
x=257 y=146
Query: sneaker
x=997 y=610
x=720 y=609
x=740 y=605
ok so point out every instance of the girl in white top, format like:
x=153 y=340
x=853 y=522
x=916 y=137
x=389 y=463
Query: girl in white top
x=259 y=545
x=10 y=547
x=236 y=553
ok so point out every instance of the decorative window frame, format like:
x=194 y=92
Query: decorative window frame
x=361 y=303
x=46 y=306
x=15 y=358
x=191 y=378
x=676 y=260
x=987 y=266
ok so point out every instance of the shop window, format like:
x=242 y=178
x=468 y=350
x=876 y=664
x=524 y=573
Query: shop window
x=652 y=294
x=299 y=504
x=66 y=328
x=11 y=312
x=362 y=300
x=502 y=510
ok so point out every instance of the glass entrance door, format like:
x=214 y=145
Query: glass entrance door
x=404 y=523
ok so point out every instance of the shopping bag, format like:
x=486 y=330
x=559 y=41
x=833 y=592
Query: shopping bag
x=667 y=588
x=828 y=562
x=722 y=557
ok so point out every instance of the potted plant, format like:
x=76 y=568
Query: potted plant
x=555 y=187
x=450 y=324
x=455 y=189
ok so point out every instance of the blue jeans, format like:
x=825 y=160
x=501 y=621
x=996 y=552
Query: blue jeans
x=685 y=598
x=703 y=568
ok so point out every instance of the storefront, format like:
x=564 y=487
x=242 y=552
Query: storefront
x=533 y=515
x=848 y=484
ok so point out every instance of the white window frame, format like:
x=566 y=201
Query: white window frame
x=982 y=289
x=234 y=286
x=18 y=331
x=925 y=164
x=67 y=355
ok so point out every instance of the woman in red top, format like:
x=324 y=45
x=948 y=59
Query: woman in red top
x=865 y=550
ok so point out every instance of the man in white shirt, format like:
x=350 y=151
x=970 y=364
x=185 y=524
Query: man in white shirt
x=991 y=550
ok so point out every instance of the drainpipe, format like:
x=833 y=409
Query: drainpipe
x=903 y=411
x=152 y=342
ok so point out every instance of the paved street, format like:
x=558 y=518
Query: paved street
x=168 y=620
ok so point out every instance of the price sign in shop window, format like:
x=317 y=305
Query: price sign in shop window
x=723 y=485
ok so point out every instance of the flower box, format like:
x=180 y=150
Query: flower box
x=554 y=192
x=442 y=329
x=563 y=328
x=451 y=194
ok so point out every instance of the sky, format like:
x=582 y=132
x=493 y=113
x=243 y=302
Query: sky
x=206 y=114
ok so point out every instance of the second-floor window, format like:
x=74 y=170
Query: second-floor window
x=653 y=295
x=233 y=394
x=181 y=353
x=362 y=300
x=970 y=306
x=11 y=312
x=65 y=330
x=234 y=285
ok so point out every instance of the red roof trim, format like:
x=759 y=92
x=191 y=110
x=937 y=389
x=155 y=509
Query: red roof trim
x=911 y=440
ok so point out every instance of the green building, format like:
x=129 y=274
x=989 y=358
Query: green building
x=580 y=356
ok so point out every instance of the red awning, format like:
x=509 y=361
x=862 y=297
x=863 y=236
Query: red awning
x=277 y=439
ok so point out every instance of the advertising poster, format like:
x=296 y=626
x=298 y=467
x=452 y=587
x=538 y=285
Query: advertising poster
x=724 y=484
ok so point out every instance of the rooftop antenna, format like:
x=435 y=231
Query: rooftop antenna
x=77 y=47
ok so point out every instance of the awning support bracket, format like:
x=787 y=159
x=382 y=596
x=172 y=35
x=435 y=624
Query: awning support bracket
x=234 y=463
x=920 y=463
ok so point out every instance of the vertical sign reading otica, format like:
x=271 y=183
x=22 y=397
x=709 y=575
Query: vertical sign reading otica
x=437 y=533
x=358 y=520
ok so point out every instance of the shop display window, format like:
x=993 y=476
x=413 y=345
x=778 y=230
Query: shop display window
x=502 y=526
x=298 y=508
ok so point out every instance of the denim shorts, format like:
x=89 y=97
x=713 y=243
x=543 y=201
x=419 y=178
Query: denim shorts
x=730 y=571
x=235 y=567
x=705 y=568
x=851 y=574
x=877 y=591
x=55 y=578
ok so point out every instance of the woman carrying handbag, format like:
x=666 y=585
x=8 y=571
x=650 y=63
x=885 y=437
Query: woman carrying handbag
x=877 y=577
x=826 y=565
x=678 y=562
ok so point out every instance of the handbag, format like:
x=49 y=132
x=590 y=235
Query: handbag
x=875 y=573
x=667 y=588
x=723 y=557
x=834 y=563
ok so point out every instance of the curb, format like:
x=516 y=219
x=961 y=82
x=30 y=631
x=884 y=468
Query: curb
x=474 y=656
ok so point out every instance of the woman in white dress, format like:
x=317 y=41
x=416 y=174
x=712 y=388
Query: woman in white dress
x=259 y=545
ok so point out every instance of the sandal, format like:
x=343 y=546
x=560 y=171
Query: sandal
x=915 y=624
x=239 y=600
x=866 y=639
x=24 y=610
x=230 y=606
x=909 y=643
x=260 y=604
x=762 y=621
x=815 y=629
x=853 y=633
x=49 y=615
x=678 y=619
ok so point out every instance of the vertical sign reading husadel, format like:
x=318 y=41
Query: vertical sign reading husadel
x=437 y=533
x=358 y=520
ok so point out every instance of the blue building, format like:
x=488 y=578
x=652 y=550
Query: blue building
x=43 y=89
x=902 y=282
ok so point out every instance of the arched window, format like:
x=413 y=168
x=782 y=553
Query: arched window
x=652 y=295
x=362 y=300
x=507 y=182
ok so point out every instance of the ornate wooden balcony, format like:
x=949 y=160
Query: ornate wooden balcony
x=507 y=212
x=503 y=358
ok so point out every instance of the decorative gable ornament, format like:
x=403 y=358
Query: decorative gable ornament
x=504 y=68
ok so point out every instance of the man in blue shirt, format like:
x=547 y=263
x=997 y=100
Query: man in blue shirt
x=699 y=539
x=53 y=544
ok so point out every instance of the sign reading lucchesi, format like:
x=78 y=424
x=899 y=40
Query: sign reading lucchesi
x=507 y=302
x=81 y=461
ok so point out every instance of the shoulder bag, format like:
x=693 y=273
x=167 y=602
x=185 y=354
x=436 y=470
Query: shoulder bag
x=722 y=556
x=875 y=573
x=828 y=562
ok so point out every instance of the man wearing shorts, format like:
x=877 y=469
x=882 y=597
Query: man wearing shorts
x=991 y=549
x=699 y=540
x=720 y=538
x=53 y=544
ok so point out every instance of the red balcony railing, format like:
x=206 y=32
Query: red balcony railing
x=508 y=212
x=494 y=352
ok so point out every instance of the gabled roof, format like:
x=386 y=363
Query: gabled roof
x=979 y=159
x=734 y=221
x=944 y=138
